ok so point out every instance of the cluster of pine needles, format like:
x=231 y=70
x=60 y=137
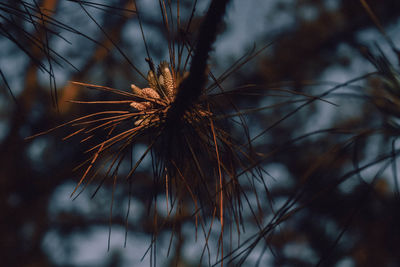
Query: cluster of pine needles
x=196 y=161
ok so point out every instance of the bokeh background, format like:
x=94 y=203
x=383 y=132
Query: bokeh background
x=330 y=166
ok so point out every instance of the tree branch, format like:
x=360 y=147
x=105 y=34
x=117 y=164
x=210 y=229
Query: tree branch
x=191 y=88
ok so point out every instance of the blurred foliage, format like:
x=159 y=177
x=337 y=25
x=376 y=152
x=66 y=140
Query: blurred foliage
x=331 y=195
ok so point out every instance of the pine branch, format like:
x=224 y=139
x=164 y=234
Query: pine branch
x=191 y=88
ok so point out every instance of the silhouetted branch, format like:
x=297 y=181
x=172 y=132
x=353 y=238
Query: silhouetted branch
x=192 y=87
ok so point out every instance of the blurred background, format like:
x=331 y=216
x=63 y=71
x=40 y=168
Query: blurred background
x=331 y=168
